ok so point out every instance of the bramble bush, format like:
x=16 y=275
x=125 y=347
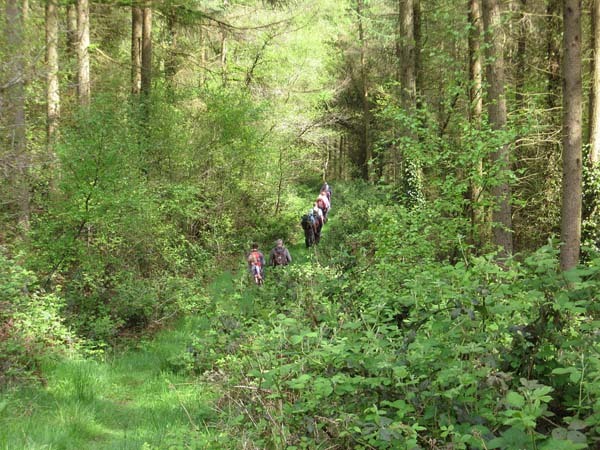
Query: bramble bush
x=385 y=344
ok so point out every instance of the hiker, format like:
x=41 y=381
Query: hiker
x=256 y=264
x=310 y=227
x=280 y=256
x=327 y=189
x=319 y=221
x=324 y=204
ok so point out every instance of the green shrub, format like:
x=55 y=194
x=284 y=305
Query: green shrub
x=31 y=324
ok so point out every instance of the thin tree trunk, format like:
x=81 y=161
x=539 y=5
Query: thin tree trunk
x=15 y=110
x=407 y=54
x=365 y=154
x=572 y=155
x=417 y=51
x=171 y=57
x=340 y=156
x=136 y=49
x=146 y=82
x=521 y=55
x=83 y=55
x=52 y=87
x=410 y=173
x=224 y=56
x=553 y=52
x=71 y=29
x=202 y=45
x=71 y=46
x=594 y=156
x=475 y=111
x=502 y=214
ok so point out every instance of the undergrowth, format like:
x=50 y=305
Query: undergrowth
x=391 y=333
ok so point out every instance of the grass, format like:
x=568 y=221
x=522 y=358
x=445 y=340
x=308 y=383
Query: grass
x=131 y=402
x=141 y=399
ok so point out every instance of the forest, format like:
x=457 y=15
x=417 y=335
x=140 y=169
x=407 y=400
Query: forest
x=452 y=301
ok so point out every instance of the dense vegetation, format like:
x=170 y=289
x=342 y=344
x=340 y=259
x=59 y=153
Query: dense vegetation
x=440 y=309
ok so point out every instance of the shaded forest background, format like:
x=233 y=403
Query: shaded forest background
x=145 y=145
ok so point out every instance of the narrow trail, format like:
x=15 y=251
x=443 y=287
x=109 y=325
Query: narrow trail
x=142 y=398
x=146 y=397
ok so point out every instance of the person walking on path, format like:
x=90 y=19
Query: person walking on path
x=256 y=264
x=280 y=256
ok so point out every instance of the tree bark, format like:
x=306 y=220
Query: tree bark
x=72 y=29
x=364 y=151
x=146 y=82
x=475 y=110
x=594 y=156
x=136 y=49
x=521 y=55
x=83 y=55
x=572 y=155
x=223 y=55
x=417 y=52
x=52 y=86
x=502 y=214
x=15 y=110
x=407 y=54
x=171 y=57
x=553 y=52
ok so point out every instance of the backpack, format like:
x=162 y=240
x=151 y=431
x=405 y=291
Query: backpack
x=308 y=220
x=254 y=258
x=279 y=258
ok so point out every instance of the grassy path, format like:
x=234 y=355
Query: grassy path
x=134 y=401
x=141 y=399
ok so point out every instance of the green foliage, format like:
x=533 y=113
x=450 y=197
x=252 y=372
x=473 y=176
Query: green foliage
x=591 y=219
x=402 y=348
x=31 y=325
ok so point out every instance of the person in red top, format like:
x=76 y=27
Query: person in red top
x=256 y=264
x=324 y=204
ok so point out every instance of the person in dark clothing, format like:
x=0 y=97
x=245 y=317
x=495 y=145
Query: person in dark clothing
x=280 y=256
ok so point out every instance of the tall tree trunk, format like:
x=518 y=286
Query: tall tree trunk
x=224 y=56
x=202 y=44
x=15 y=110
x=72 y=29
x=594 y=156
x=83 y=55
x=572 y=155
x=475 y=111
x=408 y=32
x=136 y=49
x=521 y=55
x=171 y=57
x=407 y=54
x=52 y=86
x=146 y=82
x=418 y=42
x=364 y=150
x=553 y=52
x=502 y=214
x=71 y=46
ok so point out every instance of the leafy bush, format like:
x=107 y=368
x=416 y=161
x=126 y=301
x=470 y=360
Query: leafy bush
x=390 y=346
x=31 y=325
